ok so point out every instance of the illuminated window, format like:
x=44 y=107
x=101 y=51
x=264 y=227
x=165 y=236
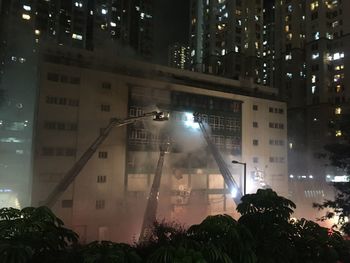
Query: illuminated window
x=315 y=56
x=336 y=56
x=313 y=89
x=289 y=36
x=338 y=133
x=78 y=4
x=313 y=78
x=339 y=67
x=314 y=5
x=337 y=110
x=338 y=88
x=221 y=27
x=317 y=35
x=25 y=16
x=288 y=57
x=338 y=77
x=77 y=36
x=37 y=32
x=27 y=7
x=329 y=36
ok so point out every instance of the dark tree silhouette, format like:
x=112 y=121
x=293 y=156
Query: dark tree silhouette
x=339 y=156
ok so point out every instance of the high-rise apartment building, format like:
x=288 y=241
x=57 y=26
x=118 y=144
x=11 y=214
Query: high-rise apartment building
x=298 y=47
x=124 y=27
x=88 y=24
x=290 y=73
x=226 y=38
x=178 y=56
x=268 y=54
x=312 y=65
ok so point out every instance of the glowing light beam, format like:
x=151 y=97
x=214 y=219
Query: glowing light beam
x=189 y=121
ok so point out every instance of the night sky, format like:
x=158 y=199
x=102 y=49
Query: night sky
x=171 y=25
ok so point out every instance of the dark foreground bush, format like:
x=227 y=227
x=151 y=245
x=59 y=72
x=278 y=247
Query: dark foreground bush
x=265 y=233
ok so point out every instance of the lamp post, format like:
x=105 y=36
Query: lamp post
x=244 y=175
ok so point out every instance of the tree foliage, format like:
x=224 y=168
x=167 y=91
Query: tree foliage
x=225 y=234
x=264 y=233
x=106 y=251
x=267 y=216
x=318 y=244
x=339 y=156
x=32 y=234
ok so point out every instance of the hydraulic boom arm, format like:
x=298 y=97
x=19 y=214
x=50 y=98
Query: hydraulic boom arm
x=152 y=204
x=79 y=165
x=230 y=182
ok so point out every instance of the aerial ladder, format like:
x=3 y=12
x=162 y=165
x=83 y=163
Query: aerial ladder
x=152 y=204
x=226 y=174
x=80 y=164
x=150 y=215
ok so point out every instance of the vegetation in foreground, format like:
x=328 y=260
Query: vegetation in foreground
x=265 y=233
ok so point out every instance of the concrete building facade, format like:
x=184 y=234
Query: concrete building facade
x=77 y=97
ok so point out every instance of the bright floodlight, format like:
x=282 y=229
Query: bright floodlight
x=161 y=116
x=189 y=121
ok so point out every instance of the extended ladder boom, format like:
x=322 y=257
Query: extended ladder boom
x=152 y=204
x=79 y=165
x=226 y=174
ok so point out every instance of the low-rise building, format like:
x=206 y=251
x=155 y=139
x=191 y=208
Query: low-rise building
x=80 y=92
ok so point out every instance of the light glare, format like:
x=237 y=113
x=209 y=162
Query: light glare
x=234 y=193
x=189 y=121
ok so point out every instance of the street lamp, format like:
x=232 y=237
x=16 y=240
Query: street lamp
x=244 y=175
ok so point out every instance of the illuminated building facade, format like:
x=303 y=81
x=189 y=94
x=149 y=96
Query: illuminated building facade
x=124 y=27
x=88 y=24
x=107 y=199
x=178 y=56
x=268 y=55
x=226 y=38
x=312 y=47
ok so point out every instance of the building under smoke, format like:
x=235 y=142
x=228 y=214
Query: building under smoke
x=312 y=68
x=123 y=27
x=78 y=94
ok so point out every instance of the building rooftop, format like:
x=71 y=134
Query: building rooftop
x=137 y=68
